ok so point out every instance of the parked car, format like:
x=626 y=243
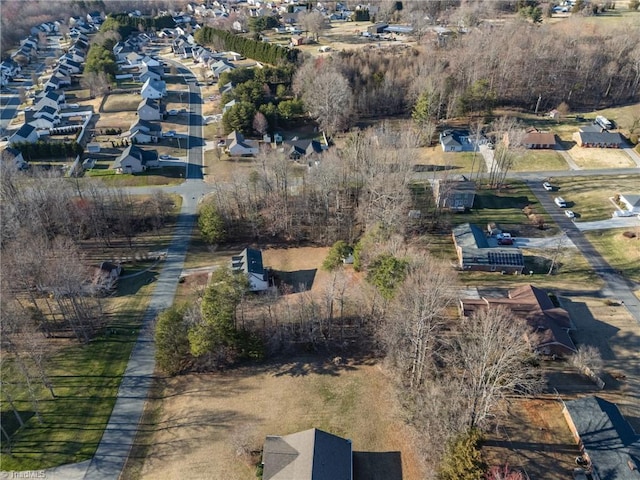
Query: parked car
x=504 y=239
x=559 y=201
x=172 y=112
x=547 y=186
x=170 y=133
x=570 y=214
x=165 y=157
x=623 y=213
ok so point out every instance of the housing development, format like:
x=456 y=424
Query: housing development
x=309 y=240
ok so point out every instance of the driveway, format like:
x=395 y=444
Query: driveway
x=633 y=154
x=545 y=242
x=614 y=222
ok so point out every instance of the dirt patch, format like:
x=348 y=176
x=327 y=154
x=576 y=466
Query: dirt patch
x=203 y=416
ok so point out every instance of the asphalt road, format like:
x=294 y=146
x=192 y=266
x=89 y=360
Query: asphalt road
x=616 y=286
x=117 y=440
x=9 y=109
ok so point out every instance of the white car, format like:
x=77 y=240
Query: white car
x=172 y=112
x=547 y=186
x=570 y=214
x=170 y=133
x=165 y=157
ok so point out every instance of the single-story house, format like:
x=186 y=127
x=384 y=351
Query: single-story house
x=238 y=146
x=136 y=160
x=549 y=324
x=474 y=253
x=631 y=201
x=606 y=439
x=249 y=262
x=453 y=140
x=595 y=136
x=297 y=149
x=154 y=89
x=26 y=133
x=537 y=139
x=308 y=455
x=456 y=195
x=149 y=110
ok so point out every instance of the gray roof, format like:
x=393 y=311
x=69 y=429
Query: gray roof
x=25 y=130
x=603 y=138
x=143 y=155
x=309 y=455
x=249 y=261
x=633 y=199
x=475 y=249
x=607 y=437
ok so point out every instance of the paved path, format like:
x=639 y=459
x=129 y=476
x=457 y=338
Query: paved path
x=616 y=286
x=543 y=242
x=489 y=158
x=614 y=222
x=634 y=156
x=119 y=435
x=567 y=158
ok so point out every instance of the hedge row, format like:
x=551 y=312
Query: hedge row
x=260 y=51
x=48 y=150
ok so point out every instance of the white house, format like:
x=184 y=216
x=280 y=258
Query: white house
x=154 y=89
x=631 y=201
x=142 y=131
x=27 y=133
x=148 y=74
x=238 y=146
x=228 y=106
x=249 y=262
x=149 y=109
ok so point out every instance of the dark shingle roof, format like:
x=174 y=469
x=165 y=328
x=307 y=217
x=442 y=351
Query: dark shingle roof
x=608 y=439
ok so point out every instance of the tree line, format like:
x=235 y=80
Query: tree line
x=126 y=25
x=260 y=51
x=48 y=150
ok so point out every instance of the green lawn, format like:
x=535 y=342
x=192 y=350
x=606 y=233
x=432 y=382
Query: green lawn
x=504 y=207
x=589 y=196
x=622 y=253
x=539 y=160
x=85 y=380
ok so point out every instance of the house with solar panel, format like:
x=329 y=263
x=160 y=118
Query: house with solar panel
x=249 y=262
x=475 y=254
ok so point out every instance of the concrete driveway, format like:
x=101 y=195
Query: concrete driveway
x=545 y=242
x=614 y=222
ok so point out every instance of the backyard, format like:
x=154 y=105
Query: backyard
x=621 y=252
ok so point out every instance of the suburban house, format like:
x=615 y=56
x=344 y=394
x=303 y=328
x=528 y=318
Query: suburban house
x=606 y=439
x=297 y=149
x=474 y=253
x=14 y=157
x=26 y=133
x=51 y=98
x=237 y=146
x=136 y=160
x=456 y=195
x=249 y=262
x=308 y=455
x=142 y=131
x=229 y=105
x=453 y=140
x=150 y=73
x=221 y=66
x=594 y=136
x=154 y=89
x=549 y=324
x=631 y=201
x=149 y=110
x=537 y=139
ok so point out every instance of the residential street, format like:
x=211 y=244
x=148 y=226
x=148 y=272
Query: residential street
x=617 y=287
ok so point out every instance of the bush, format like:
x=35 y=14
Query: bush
x=211 y=224
x=463 y=459
x=629 y=235
x=339 y=251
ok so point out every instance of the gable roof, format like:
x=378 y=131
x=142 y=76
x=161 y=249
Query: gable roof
x=25 y=130
x=308 y=455
x=304 y=148
x=473 y=249
x=602 y=137
x=608 y=439
x=143 y=155
x=452 y=138
x=631 y=199
x=148 y=102
x=539 y=138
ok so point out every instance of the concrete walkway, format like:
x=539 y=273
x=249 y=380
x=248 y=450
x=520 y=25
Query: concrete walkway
x=634 y=156
x=567 y=158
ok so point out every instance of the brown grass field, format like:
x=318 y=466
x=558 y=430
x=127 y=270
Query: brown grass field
x=600 y=158
x=201 y=415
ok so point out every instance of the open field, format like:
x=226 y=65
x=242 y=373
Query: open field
x=600 y=158
x=434 y=159
x=200 y=415
x=622 y=253
x=589 y=196
x=539 y=160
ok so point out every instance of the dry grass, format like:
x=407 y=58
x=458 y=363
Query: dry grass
x=621 y=252
x=120 y=102
x=600 y=158
x=430 y=158
x=201 y=414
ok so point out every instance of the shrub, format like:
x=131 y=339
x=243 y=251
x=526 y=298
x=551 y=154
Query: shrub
x=337 y=253
x=463 y=459
x=629 y=235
